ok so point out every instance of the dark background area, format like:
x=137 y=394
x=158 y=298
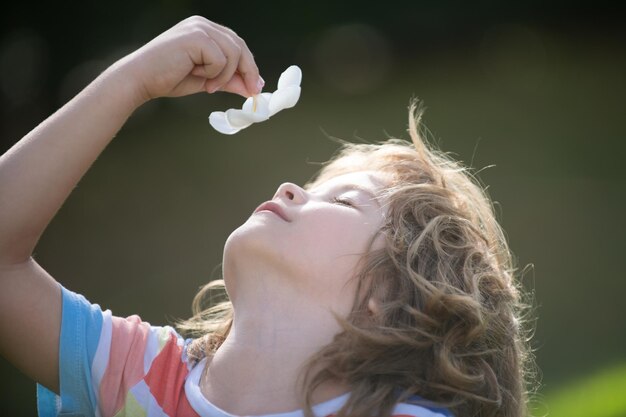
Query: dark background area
x=536 y=90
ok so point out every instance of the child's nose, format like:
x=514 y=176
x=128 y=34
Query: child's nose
x=291 y=193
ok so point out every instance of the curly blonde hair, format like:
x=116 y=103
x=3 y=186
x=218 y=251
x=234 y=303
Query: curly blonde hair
x=449 y=327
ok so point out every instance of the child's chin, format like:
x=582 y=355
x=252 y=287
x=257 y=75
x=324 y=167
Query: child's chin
x=253 y=239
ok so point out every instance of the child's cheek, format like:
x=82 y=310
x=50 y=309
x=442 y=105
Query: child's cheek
x=336 y=244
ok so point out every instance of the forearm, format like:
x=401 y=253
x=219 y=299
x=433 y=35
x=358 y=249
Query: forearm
x=38 y=173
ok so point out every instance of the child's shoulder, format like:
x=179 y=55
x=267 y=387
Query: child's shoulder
x=416 y=406
x=411 y=407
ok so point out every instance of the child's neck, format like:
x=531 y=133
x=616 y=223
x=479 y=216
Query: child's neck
x=257 y=369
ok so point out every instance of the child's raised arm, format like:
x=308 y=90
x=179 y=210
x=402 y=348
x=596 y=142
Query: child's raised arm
x=39 y=172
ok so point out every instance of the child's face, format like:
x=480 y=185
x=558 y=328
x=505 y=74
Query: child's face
x=314 y=247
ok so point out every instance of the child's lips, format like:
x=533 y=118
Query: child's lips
x=274 y=208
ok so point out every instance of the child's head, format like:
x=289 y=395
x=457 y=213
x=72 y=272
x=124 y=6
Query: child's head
x=436 y=311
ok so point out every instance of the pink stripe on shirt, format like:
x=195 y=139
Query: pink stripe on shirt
x=125 y=365
x=166 y=377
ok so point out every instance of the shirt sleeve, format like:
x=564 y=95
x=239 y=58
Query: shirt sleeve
x=81 y=325
x=108 y=363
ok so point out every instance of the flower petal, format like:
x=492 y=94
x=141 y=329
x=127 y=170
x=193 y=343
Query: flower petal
x=292 y=76
x=220 y=123
x=239 y=119
x=262 y=110
x=284 y=98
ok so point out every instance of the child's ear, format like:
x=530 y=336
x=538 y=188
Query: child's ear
x=373 y=306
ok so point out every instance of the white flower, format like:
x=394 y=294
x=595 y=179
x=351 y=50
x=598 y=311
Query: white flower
x=261 y=106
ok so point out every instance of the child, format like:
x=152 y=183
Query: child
x=383 y=287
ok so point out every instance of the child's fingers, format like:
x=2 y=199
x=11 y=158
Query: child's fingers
x=211 y=61
x=224 y=60
x=232 y=51
x=247 y=66
x=250 y=72
x=236 y=85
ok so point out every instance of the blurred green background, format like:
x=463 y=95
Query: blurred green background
x=536 y=90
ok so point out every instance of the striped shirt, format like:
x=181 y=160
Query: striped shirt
x=123 y=367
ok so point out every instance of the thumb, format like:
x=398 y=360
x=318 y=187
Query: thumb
x=236 y=85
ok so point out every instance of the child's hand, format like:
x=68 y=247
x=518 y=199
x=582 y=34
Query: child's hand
x=195 y=55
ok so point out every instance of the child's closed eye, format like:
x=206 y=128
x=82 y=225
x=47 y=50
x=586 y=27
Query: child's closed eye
x=343 y=201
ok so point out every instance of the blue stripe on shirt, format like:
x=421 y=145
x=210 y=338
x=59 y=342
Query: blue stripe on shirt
x=81 y=324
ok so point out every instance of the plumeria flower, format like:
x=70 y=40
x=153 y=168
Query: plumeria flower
x=262 y=106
